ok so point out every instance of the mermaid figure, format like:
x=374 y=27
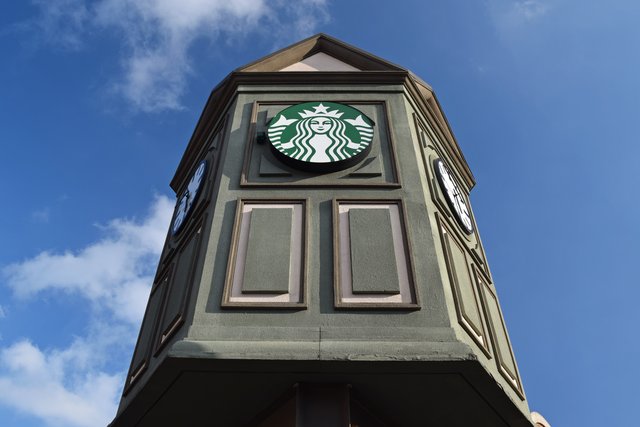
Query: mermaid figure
x=320 y=135
x=320 y=139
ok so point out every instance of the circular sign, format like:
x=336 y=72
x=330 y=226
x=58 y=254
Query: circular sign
x=320 y=136
x=453 y=195
x=188 y=198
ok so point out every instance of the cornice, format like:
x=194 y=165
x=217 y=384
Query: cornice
x=224 y=93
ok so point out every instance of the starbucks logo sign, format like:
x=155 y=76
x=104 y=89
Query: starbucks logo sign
x=320 y=136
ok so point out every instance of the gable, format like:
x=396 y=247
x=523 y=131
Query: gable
x=320 y=62
x=320 y=53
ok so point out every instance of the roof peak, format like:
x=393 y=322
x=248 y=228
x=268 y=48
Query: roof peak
x=320 y=43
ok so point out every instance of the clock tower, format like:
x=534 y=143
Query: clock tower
x=323 y=266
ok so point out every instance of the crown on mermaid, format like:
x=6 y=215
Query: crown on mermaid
x=321 y=111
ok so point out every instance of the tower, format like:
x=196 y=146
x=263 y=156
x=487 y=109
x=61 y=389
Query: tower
x=323 y=266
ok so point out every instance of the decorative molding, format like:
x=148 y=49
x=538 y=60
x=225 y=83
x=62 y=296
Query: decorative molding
x=183 y=274
x=505 y=360
x=144 y=344
x=438 y=196
x=470 y=311
x=324 y=43
x=344 y=295
x=295 y=297
x=213 y=156
x=472 y=241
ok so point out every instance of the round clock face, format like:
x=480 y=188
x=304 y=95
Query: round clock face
x=453 y=194
x=320 y=136
x=188 y=198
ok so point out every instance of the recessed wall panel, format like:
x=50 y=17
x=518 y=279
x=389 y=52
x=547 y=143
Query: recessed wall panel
x=142 y=352
x=267 y=258
x=268 y=261
x=467 y=300
x=504 y=354
x=179 y=286
x=372 y=259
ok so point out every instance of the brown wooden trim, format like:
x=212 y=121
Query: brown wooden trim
x=319 y=43
x=206 y=125
x=164 y=263
x=338 y=304
x=481 y=261
x=233 y=250
x=204 y=201
x=213 y=156
x=235 y=241
x=395 y=167
x=477 y=253
x=334 y=185
x=443 y=229
x=473 y=242
x=204 y=152
x=319 y=77
x=164 y=336
x=135 y=373
x=429 y=106
x=517 y=386
x=436 y=192
x=250 y=140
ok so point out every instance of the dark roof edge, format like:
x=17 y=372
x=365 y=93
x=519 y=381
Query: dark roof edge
x=448 y=136
x=320 y=43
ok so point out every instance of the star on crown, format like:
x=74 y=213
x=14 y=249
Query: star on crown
x=321 y=111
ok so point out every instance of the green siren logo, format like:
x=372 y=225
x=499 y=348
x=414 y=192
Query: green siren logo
x=321 y=136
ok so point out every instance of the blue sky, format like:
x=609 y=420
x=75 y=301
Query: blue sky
x=99 y=98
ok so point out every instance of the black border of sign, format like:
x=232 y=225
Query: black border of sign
x=175 y=231
x=436 y=163
x=326 y=166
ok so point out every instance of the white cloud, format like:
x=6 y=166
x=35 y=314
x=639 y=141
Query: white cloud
x=79 y=384
x=157 y=35
x=531 y=9
x=513 y=15
x=63 y=22
x=57 y=386
x=41 y=215
x=112 y=273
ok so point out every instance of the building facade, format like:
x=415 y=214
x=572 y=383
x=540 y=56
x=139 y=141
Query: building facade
x=323 y=265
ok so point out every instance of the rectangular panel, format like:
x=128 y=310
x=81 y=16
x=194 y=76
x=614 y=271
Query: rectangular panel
x=174 y=307
x=465 y=292
x=142 y=352
x=464 y=286
x=268 y=260
x=504 y=355
x=373 y=261
x=362 y=278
